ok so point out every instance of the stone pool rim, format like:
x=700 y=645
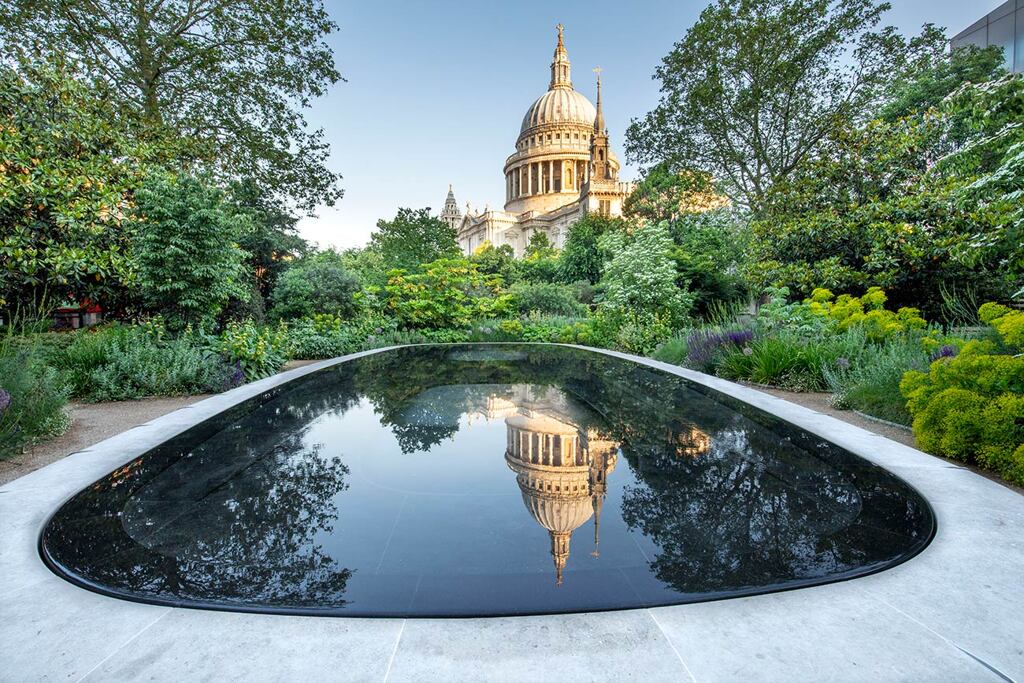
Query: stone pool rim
x=718 y=390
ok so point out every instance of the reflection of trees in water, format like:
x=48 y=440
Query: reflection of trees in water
x=235 y=521
x=755 y=508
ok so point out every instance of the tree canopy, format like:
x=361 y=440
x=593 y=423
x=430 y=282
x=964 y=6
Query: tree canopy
x=217 y=82
x=755 y=85
x=413 y=237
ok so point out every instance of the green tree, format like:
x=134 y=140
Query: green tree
x=664 y=195
x=448 y=293
x=67 y=173
x=492 y=260
x=582 y=258
x=874 y=208
x=641 y=275
x=929 y=71
x=319 y=283
x=756 y=85
x=710 y=254
x=540 y=246
x=994 y=161
x=219 y=80
x=413 y=238
x=187 y=254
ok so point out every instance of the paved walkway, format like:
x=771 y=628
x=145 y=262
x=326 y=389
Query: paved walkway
x=953 y=613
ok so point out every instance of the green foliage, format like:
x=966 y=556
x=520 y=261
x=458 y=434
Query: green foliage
x=119 y=362
x=673 y=350
x=32 y=398
x=67 y=171
x=867 y=313
x=873 y=208
x=319 y=283
x=322 y=336
x=929 y=71
x=709 y=253
x=173 y=367
x=189 y=262
x=271 y=239
x=664 y=195
x=218 y=82
x=754 y=86
x=870 y=381
x=260 y=352
x=491 y=260
x=540 y=246
x=995 y=160
x=545 y=298
x=448 y=293
x=971 y=406
x=582 y=258
x=641 y=278
x=412 y=238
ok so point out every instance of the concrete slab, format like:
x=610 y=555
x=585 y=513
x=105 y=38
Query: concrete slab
x=954 y=612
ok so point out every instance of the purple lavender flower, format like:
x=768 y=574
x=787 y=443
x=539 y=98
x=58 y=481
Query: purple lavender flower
x=704 y=345
x=5 y=401
x=740 y=337
x=947 y=351
x=843 y=363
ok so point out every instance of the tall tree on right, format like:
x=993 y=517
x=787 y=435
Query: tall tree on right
x=756 y=85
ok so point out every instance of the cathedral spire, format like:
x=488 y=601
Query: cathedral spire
x=560 y=68
x=599 y=126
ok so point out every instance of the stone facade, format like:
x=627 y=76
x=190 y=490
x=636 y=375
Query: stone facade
x=563 y=168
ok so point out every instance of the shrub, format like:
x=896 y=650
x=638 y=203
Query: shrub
x=322 y=336
x=641 y=278
x=450 y=293
x=546 y=298
x=673 y=350
x=971 y=406
x=316 y=284
x=867 y=312
x=870 y=383
x=32 y=398
x=259 y=351
x=189 y=262
x=176 y=367
x=705 y=347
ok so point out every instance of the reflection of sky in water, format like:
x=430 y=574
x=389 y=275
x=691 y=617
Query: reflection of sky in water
x=432 y=481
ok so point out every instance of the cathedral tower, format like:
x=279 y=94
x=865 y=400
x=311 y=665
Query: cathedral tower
x=601 y=168
x=450 y=214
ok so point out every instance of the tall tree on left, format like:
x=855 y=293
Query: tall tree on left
x=217 y=82
x=68 y=171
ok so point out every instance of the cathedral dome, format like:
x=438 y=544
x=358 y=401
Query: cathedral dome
x=559 y=105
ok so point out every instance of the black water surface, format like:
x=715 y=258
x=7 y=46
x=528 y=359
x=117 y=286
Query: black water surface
x=483 y=480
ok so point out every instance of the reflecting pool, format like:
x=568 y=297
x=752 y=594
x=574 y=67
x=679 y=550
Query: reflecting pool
x=483 y=480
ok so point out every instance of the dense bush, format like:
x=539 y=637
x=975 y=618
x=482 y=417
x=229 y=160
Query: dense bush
x=32 y=398
x=870 y=383
x=187 y=254
x=317 y=284
x=259 y=352
x=120 y=362
x=970 y=406
x=448 y=293
x=867 y=313
x=546 y=298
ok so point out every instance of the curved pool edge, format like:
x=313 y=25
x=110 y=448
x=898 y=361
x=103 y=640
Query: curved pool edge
x=702 y=381
x=920 y=606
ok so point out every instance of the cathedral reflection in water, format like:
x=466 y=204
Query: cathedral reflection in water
x=562 y=468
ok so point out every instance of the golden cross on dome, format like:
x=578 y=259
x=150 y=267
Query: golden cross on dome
x=598 y=71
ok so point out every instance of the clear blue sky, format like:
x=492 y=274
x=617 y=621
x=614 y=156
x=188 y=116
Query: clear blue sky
x=436 y=90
